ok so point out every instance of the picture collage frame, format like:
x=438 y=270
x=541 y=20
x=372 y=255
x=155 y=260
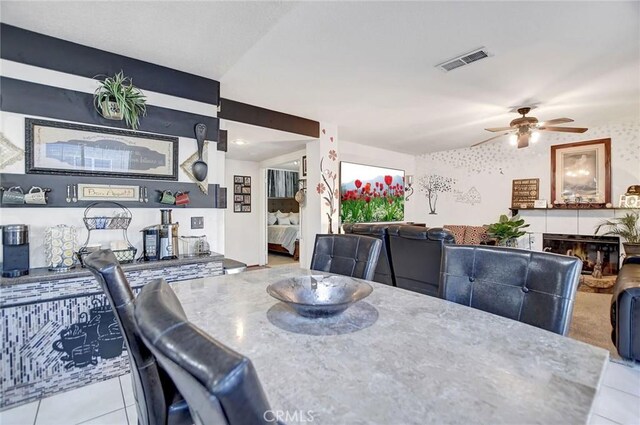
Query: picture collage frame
x=241 y=194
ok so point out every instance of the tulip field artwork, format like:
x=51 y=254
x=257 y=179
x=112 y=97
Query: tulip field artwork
x=370 y=194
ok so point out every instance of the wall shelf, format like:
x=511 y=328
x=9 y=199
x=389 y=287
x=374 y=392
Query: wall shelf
x=515 y=211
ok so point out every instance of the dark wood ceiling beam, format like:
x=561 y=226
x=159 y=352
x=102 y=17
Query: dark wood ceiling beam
x=262 y=117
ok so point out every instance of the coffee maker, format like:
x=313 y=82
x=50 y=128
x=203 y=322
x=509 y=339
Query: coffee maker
x=160 y=241
x=15 y=250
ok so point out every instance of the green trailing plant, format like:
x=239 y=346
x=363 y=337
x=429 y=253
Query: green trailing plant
x=119 y=89
x=627 y=227
x=507 y=229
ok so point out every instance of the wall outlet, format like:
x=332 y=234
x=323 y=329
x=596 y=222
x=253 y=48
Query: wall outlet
x=197 y=222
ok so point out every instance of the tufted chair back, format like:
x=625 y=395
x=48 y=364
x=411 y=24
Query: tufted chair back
x=157 y=400
x=384 y=271
x=219 y=385
x=416 y=253
x=348 y=255
x=537 y=288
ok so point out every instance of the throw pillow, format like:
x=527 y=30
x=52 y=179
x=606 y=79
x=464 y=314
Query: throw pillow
x=284 y=221
x=458 y=232
x=475 y=234
x=271 y=219
x=281 y=214
x=294 y=218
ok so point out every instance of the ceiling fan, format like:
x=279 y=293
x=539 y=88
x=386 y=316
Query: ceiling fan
x=526 y=128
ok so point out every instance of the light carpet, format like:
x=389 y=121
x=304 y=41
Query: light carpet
x=591 y=322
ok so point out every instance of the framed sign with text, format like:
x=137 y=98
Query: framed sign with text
x=524 y=193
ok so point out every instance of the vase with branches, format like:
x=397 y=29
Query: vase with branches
x=626 y=227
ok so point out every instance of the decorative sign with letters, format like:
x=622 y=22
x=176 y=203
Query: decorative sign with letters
x=107 y=192
x=524 y=193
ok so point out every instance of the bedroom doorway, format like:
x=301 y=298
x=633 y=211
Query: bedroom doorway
x=283 y=214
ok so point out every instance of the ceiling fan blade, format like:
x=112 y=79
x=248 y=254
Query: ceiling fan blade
x=496 y=129
x=523 y=140
x=489 y=139
x=565 y=129
x=555 y=121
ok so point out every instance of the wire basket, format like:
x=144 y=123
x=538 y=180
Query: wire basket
x=123 y=256
x=107 y=222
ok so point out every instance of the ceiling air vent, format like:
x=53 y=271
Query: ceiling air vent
x=463 y=60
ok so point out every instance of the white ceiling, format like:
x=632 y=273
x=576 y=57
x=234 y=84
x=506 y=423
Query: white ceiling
x=259 y=143
x=369 y=66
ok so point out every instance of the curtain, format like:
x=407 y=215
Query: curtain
x=282 y=184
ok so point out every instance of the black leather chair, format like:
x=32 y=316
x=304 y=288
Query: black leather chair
x=625 y=310
x=348 y=255
x=384 y=270
x=157 y=400
x=537 y=288
x=220 y=385
x=416 y=253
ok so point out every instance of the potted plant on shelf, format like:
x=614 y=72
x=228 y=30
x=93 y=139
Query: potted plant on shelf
x=627 y=227
x=507 y=230
x=117 y=98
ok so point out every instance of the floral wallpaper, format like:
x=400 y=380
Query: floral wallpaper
x=327 y=187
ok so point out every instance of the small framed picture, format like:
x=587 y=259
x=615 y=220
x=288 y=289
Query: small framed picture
x=237 y=198
x=237 y=188
x=622 y=203
x=632 y=201
x=247 y=199
x=246 y=208
x=238 y=179
x=246 y=190
x=540 y=203
x=304 y=166
x=237 y=207
x=247 y=180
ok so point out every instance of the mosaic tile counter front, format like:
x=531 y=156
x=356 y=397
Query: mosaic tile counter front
x=59 y=333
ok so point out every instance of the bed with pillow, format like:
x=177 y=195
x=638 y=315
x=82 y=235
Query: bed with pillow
x=283 y=226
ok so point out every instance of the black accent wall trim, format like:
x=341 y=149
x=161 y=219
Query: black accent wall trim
x=255 y=115
x=222 y=141
x=23 y=97
x=32 y=48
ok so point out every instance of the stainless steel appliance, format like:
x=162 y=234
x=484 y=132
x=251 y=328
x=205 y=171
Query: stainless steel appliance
x=160 y=241
x=15 y=250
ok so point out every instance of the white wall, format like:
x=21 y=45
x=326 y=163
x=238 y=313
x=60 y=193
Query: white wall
x=491 y=168
x=243 y=230
x=12 y=126
x=361 y=154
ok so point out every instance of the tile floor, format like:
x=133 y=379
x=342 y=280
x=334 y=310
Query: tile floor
x=111 y=403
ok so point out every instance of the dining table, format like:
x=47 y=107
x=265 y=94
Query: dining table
x=395 y=357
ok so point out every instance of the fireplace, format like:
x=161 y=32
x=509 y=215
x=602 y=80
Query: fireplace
x=587 y=248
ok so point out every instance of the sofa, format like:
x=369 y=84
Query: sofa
x=625 y=310
x=416 y=253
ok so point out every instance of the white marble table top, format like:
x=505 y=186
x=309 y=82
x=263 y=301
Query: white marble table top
x=424 y=360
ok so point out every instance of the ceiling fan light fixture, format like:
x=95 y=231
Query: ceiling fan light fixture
x=535 y=136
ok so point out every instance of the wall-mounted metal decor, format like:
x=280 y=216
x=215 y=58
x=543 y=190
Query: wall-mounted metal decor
x=61 y=148
x=242 y=194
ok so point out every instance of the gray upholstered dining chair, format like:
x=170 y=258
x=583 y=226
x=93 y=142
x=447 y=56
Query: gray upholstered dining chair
x=157 y=400
x=537 y=288
x=219 y=385
x=348 y=255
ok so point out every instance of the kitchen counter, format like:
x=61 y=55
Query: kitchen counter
x=44 y=274
x=45 y=316
x=403 y=358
